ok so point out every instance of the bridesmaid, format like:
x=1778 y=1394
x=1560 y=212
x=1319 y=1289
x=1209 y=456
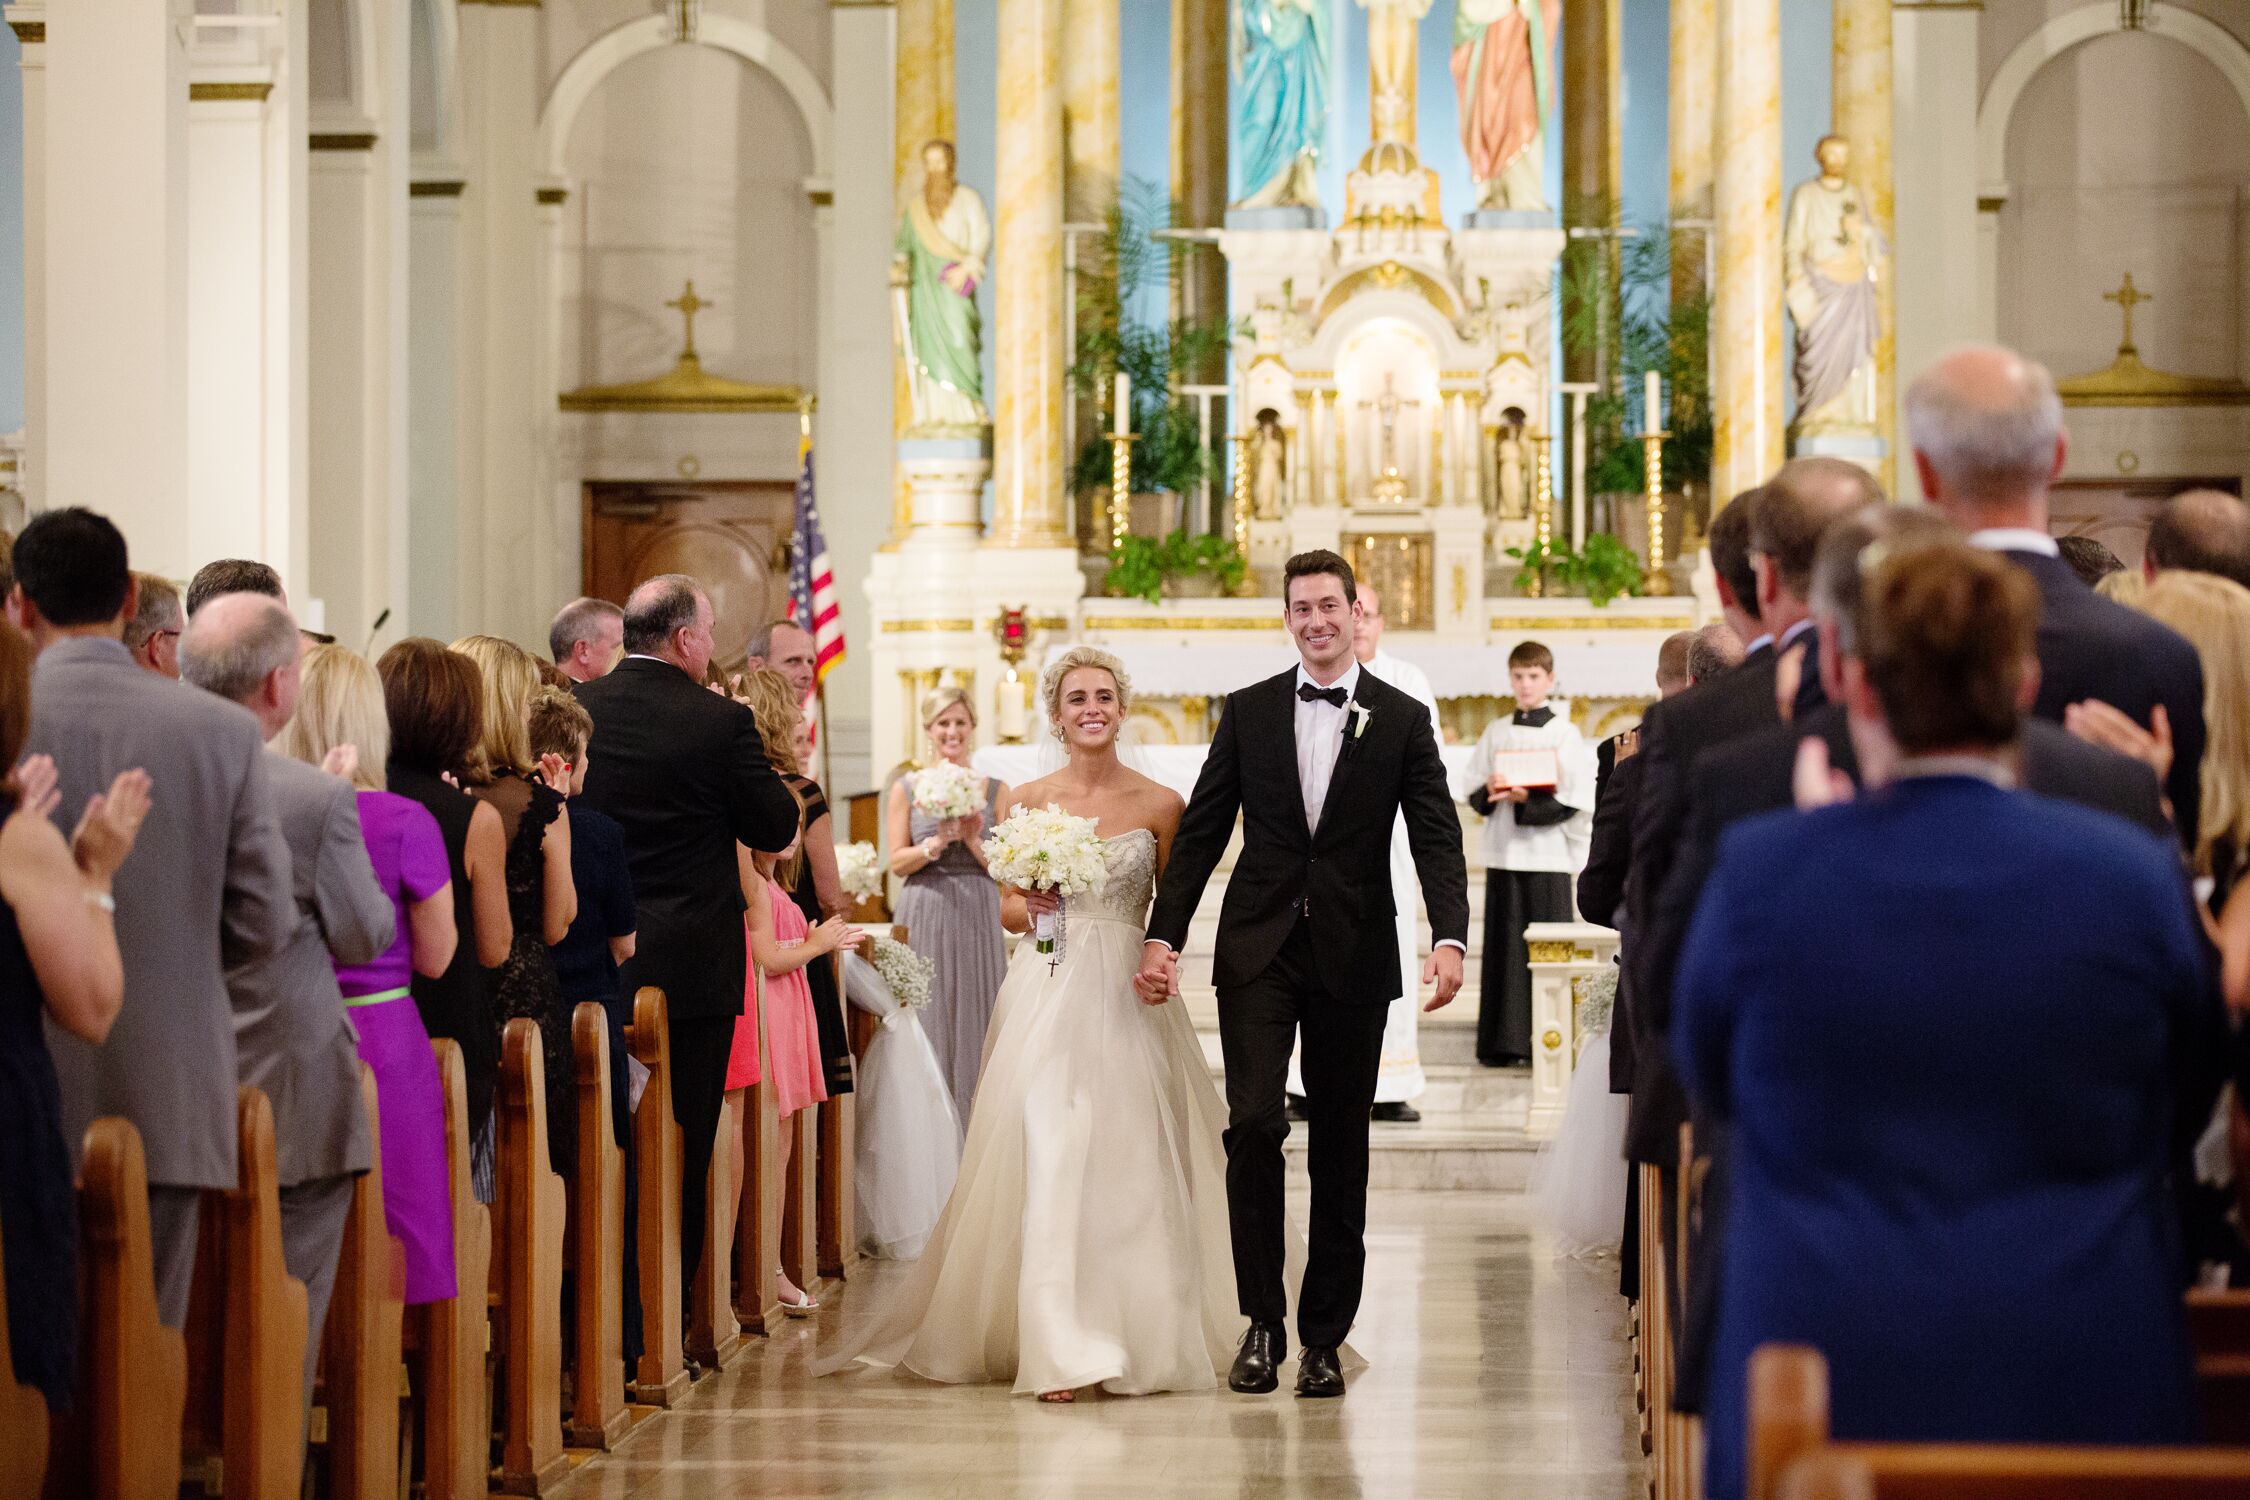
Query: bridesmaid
x=951 y=907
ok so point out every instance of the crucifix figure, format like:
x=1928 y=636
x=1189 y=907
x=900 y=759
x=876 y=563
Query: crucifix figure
x=1389 y=483
x=689 y=305
x=2128 y=297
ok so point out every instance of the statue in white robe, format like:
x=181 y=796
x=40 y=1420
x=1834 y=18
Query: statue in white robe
x=1832 y=254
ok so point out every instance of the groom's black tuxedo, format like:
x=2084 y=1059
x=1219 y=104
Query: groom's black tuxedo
x=1308 y=945
x=1338 y=875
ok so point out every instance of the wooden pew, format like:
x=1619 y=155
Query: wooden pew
x=661 y=1378
x=532 y=1212
x=713 y=1332
x=450 y=1338
x=1790 y=1456
x=246 y=1329
x=838 y=1229
x=23 y=1419
x=2220 y=1323
x=757 y=1239
x=121 y=1440
x=597 y=1240
x=361 y=1345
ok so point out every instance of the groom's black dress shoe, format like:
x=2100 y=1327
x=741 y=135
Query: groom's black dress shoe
x=1319 y=1373
x=1257 y=1365
x=1395 y=1114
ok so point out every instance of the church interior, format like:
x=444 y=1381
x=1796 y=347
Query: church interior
x=1072 y=321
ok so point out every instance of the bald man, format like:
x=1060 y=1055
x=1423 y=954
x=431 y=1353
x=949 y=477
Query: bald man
x=1986 y=427
x=2200 y=531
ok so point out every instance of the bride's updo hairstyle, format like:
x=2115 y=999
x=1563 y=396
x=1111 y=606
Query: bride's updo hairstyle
x=1947 y=632
x=1051 y=685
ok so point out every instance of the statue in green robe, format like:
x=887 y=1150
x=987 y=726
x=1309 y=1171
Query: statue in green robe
x=943 y=240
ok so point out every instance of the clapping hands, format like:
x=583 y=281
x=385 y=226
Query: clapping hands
x=112 y=821
x=834 y=934
x=341 y=761
x=555 y=772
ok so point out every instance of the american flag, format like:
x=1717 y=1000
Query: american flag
x=812 y=582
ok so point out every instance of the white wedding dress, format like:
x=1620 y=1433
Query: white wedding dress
x=1086 y=1240
x=906 y=1140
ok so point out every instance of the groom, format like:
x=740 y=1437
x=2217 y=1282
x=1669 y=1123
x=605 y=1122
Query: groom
x=1318 y=761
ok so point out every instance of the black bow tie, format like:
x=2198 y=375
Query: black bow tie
x=1332 y=696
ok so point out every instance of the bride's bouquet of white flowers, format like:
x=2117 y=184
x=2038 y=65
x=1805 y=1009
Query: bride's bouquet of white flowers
x=946 y=790
x=1046 y=849
x=859 y=871
x=907 y=973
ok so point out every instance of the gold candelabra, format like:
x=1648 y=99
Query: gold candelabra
x=1120 y=487
x=1652 y=478
x=1241 y=441
x=1543 y=508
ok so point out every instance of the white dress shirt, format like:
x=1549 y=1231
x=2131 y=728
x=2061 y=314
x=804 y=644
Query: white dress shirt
x=2015 y=539
x=1320 y=736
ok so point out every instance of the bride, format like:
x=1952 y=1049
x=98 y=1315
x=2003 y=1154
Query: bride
x=1086 y=1240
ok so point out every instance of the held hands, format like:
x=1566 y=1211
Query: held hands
x=1444 y=971
x=341 y=761
x=111 y=823
x=1159 y=978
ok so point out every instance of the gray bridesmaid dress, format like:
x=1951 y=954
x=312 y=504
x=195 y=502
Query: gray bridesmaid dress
x=951 y=912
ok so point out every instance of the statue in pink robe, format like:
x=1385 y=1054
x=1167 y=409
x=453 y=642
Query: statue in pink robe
x=1503 y=80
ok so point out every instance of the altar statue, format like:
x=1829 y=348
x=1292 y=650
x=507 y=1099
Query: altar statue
x=1393 y=34
x=1514 y=498
x=1832 y=258
x=1503 y=80
x=943 y=240
x=1269 y=466
x=1280 y=100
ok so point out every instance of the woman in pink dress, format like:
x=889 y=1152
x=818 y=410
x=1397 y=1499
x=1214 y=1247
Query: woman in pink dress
x=340 y=724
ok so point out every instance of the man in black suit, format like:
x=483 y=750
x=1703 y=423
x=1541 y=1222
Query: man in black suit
x=1318 y=762
x=1987 y=430
x=2200 y=531
x=684 y=773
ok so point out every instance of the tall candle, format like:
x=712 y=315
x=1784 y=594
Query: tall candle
x=1655 y=404
x=1014 y=712
x=1124 y=404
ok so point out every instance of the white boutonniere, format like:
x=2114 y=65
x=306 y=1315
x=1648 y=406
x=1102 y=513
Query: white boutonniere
x=1355 y=724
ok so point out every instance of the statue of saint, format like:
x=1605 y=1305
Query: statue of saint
x=939 y=259
x=1514 y=497
x=1269 y=466
x=1393 y=33
x=1831 y=260
x=1503 y=79
x=1280 y=100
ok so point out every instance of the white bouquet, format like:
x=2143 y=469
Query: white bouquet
x=859 y=871
x=907 y=973
x=946 y=790
x=1046 y=849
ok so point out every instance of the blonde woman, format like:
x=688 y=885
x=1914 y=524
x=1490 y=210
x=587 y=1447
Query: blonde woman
x=340 y=726
x=542 y=899
x=950 y=907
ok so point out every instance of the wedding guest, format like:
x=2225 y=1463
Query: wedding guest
x=1835 y=487
x=786 y=647
x=586 y=639
x=950 y=907
x=1712 y=650
x=1534 y=843
x=2199 y=531
x=599 y=943
x=233 y=575
x=2089 y=559
x=542 y=900
x=1939 y=1195
x=210 y=884
x=810 y=878
x=290 y=1033
x=59 y=961
x=340 y=724
x=153 y=634
x=1733 y=575
x=685 y=775
x=1987 y=430
x=434 y=698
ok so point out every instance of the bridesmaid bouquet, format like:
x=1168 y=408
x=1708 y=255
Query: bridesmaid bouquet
x=1046 y=849
x=946 y=790
x=859 y=871
x=906 y=973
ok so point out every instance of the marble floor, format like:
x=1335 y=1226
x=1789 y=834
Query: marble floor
x=1496 y=1369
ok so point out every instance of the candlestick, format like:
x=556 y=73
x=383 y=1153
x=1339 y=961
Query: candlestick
x=1652 y=474
x=1124 y=406
x=1014 y=715
x=1120 y=485
x=1241 y=497
x=1543 y=507
x=1652 y=410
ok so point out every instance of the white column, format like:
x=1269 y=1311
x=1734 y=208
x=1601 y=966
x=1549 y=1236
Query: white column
x=30 y=22
x=1934 y=169
x=435 y=337
x=115 y=272
x=853 y=451
x=1746 y=301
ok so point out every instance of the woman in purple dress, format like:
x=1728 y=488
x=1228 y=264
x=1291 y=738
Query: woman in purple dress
x=340 y=726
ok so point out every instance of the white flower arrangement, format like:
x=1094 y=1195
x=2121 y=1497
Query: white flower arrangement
x=905 y=972
x=859 y=871
x=946 y=790
x=1046 y=849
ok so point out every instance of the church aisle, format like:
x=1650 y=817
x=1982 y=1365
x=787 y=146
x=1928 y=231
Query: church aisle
x=1496 y=1369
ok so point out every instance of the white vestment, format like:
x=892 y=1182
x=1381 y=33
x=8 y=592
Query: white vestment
x=1400 y=1078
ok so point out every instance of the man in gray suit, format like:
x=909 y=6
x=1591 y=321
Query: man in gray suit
x=210 y=869
x=290 y=1034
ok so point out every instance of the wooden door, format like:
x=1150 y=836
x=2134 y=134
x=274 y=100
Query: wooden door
x=731 y=536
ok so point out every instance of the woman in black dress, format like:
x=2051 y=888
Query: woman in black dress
x=434 y=699
x=58 y=958
x=542 y=899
